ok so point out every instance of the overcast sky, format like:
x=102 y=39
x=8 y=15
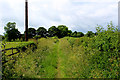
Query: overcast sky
x=77 y=15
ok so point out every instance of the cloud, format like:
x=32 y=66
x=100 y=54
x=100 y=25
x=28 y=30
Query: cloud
x=78 y=15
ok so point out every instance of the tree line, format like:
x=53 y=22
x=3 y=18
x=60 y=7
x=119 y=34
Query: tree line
x=12 y=33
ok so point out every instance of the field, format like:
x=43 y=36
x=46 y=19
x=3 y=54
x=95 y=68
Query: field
x=7 y=45
x=68 y=57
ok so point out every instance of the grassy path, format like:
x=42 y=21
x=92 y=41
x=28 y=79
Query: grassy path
x=60 y=73
x=60 y=65
x=58 y=62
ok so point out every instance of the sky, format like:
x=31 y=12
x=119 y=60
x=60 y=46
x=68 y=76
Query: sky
x=77 y=15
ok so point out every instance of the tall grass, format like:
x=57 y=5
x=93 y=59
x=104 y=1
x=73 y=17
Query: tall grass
x=39 y=64
x=68 y=58
x=74 y=62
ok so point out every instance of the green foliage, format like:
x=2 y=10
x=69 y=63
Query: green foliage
x=37 y=37
x=9 y=61
x=100 y=55
x=31 y=32
x=77 y=34
x=69 y=33
x=26 y=45
x=71 y=41
x=63 y=31
x=39 y=64
x=74 y=34
x=69 y=57
x=106 y=42
x=80 y=34
x=99 y=28
x=41 y=31
x=9 y=26
x=11 y=32
x=90 y=34
x=53 y=31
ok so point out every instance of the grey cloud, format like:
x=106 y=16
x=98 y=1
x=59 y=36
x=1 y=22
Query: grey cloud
x=78 y=15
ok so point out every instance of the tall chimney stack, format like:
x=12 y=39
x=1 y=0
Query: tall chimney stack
x=26 y=20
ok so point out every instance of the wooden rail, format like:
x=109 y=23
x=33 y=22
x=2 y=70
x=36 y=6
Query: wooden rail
x=4 y=50
x=17 y=49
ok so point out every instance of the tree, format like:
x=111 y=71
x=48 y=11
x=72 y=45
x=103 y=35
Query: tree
x=41 y=31
x=69 y=33
x=96 y=33
x=53 y=31
x=31 y=32
x=77 y=34
x=80 y=34
x=74 y=34
x=63 y=31
x=11 y=32
x=22 y=36
x=90 y=34
x=10 y=26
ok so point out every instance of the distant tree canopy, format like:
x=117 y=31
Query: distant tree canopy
x=9 y=26
x=53 y=31
x=11 y=33
x=90 y=34
x=74 y=34
x=77 y=34
x=41 y=31
x=80 y=34
x=60 y=31
x=69 y=33
x=63 y=31
x=31 y=32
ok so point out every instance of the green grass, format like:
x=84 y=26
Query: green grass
x=64 y=58
x=73 y=63
x=40 y=64
x=14 y=45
